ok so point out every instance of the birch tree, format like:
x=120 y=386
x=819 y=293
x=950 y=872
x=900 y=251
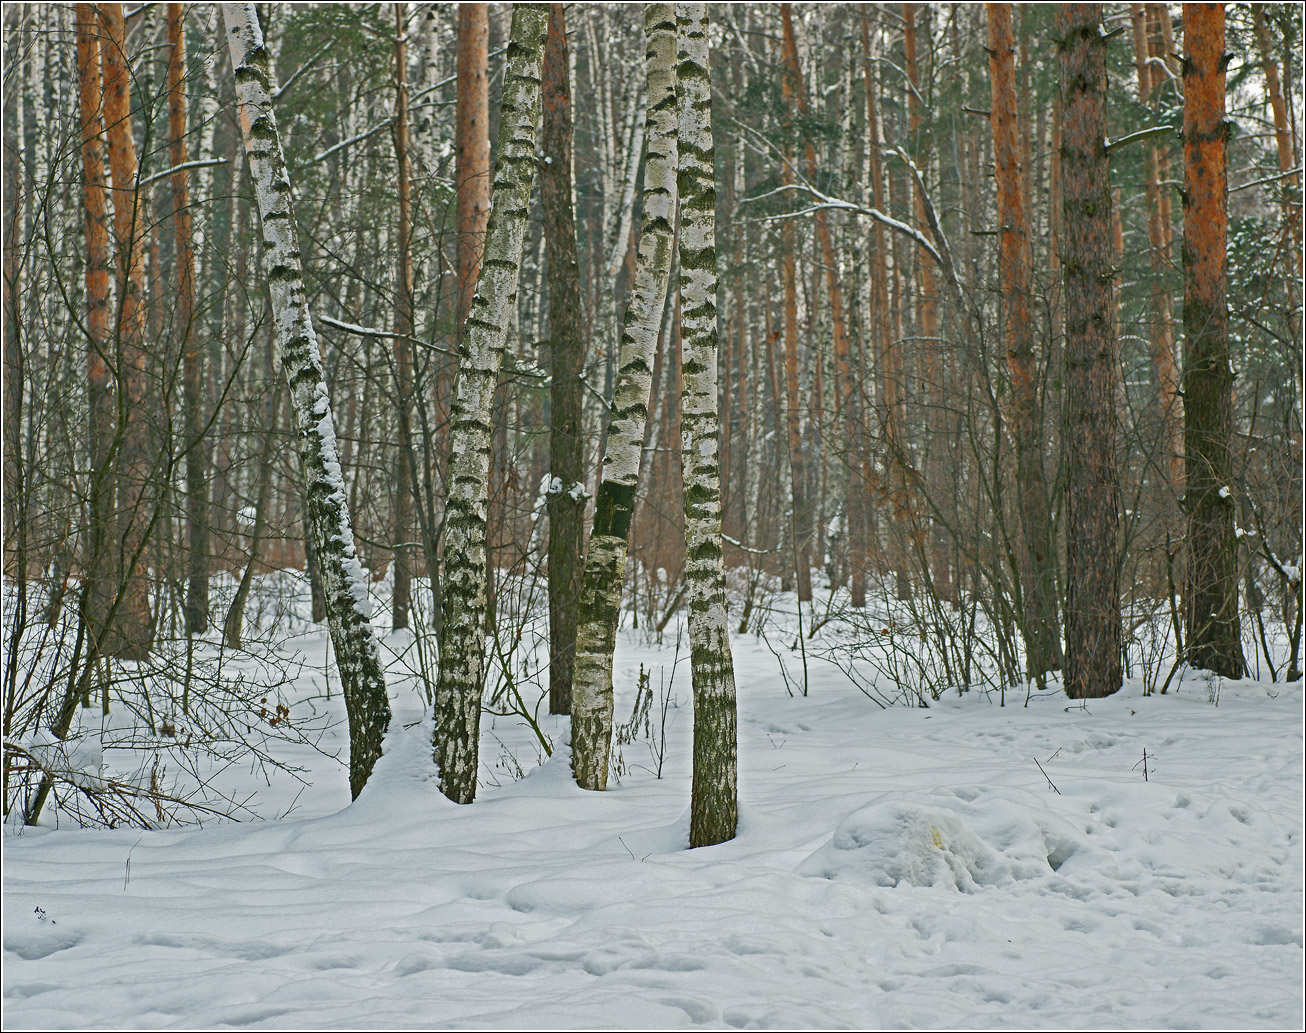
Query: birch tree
x=462 y=632
x=605 y=563
x=714 y=802
x=297 y=352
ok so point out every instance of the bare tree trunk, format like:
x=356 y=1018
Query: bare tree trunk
x=714 y=802
x=97 y=588
x=297 y=352
x=1211 y=602
x=130 y=632
x=1093 y=633
x=234 y=625
x=567 y=494
x=605 y=565
x=196 y=442
x=462 y=633
x=801 y=521
x=1163 y=355
x=1291 y=186
x=405 y=462
x=1038 y=574
x=846 y=408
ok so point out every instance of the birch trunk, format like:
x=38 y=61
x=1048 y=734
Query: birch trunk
x=566 y=496
x=405 y=471
x=299 y=355
x=714 y=804
x=462 y=632
x=800 y=525
x=1211 y=602
x=605 y=565
x=1093 y=633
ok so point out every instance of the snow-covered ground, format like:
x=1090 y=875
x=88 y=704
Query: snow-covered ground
x=899 y=867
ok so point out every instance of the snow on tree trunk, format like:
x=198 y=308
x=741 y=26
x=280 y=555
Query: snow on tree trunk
x=1092 y=658
x=714 y=804
x=567 y=332
x=605 y=564
x=1211 y=601
x=462 y=633
x=298 y=353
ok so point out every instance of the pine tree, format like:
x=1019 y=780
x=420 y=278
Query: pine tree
x=1211 y=602
x=1093 y=658
x=566 y=501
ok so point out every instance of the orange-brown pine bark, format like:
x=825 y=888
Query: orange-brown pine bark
x=1211 y=602
x=132 y=617
x=1038 y=574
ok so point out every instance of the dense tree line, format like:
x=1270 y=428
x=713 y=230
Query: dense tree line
x=981 y=323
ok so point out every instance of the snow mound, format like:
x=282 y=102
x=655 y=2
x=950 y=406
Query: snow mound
x=954 y=841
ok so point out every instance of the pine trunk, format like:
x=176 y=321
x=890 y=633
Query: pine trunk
x=846 y=408
x=297 y=352
x=97 y=588
x=714 y=803
x=1038 y=574
x=605 y=564
x=1211 y=602
x=129 y=635
x=1093 y=633
x=1291 y=186
x=196 y=444
x=462 y=632
x=567 y=496
x=1162 y=329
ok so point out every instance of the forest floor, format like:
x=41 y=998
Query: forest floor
x=901 y=868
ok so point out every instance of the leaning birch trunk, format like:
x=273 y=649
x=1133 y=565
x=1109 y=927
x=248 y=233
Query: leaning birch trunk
x=605 y=564
x=296 y=348
x=462 y=633
x=714 y=803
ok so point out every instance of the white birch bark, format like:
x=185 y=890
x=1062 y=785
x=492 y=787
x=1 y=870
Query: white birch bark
x=714 y=801
x=298 y=354
x=605 y=565
x=462 y=635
